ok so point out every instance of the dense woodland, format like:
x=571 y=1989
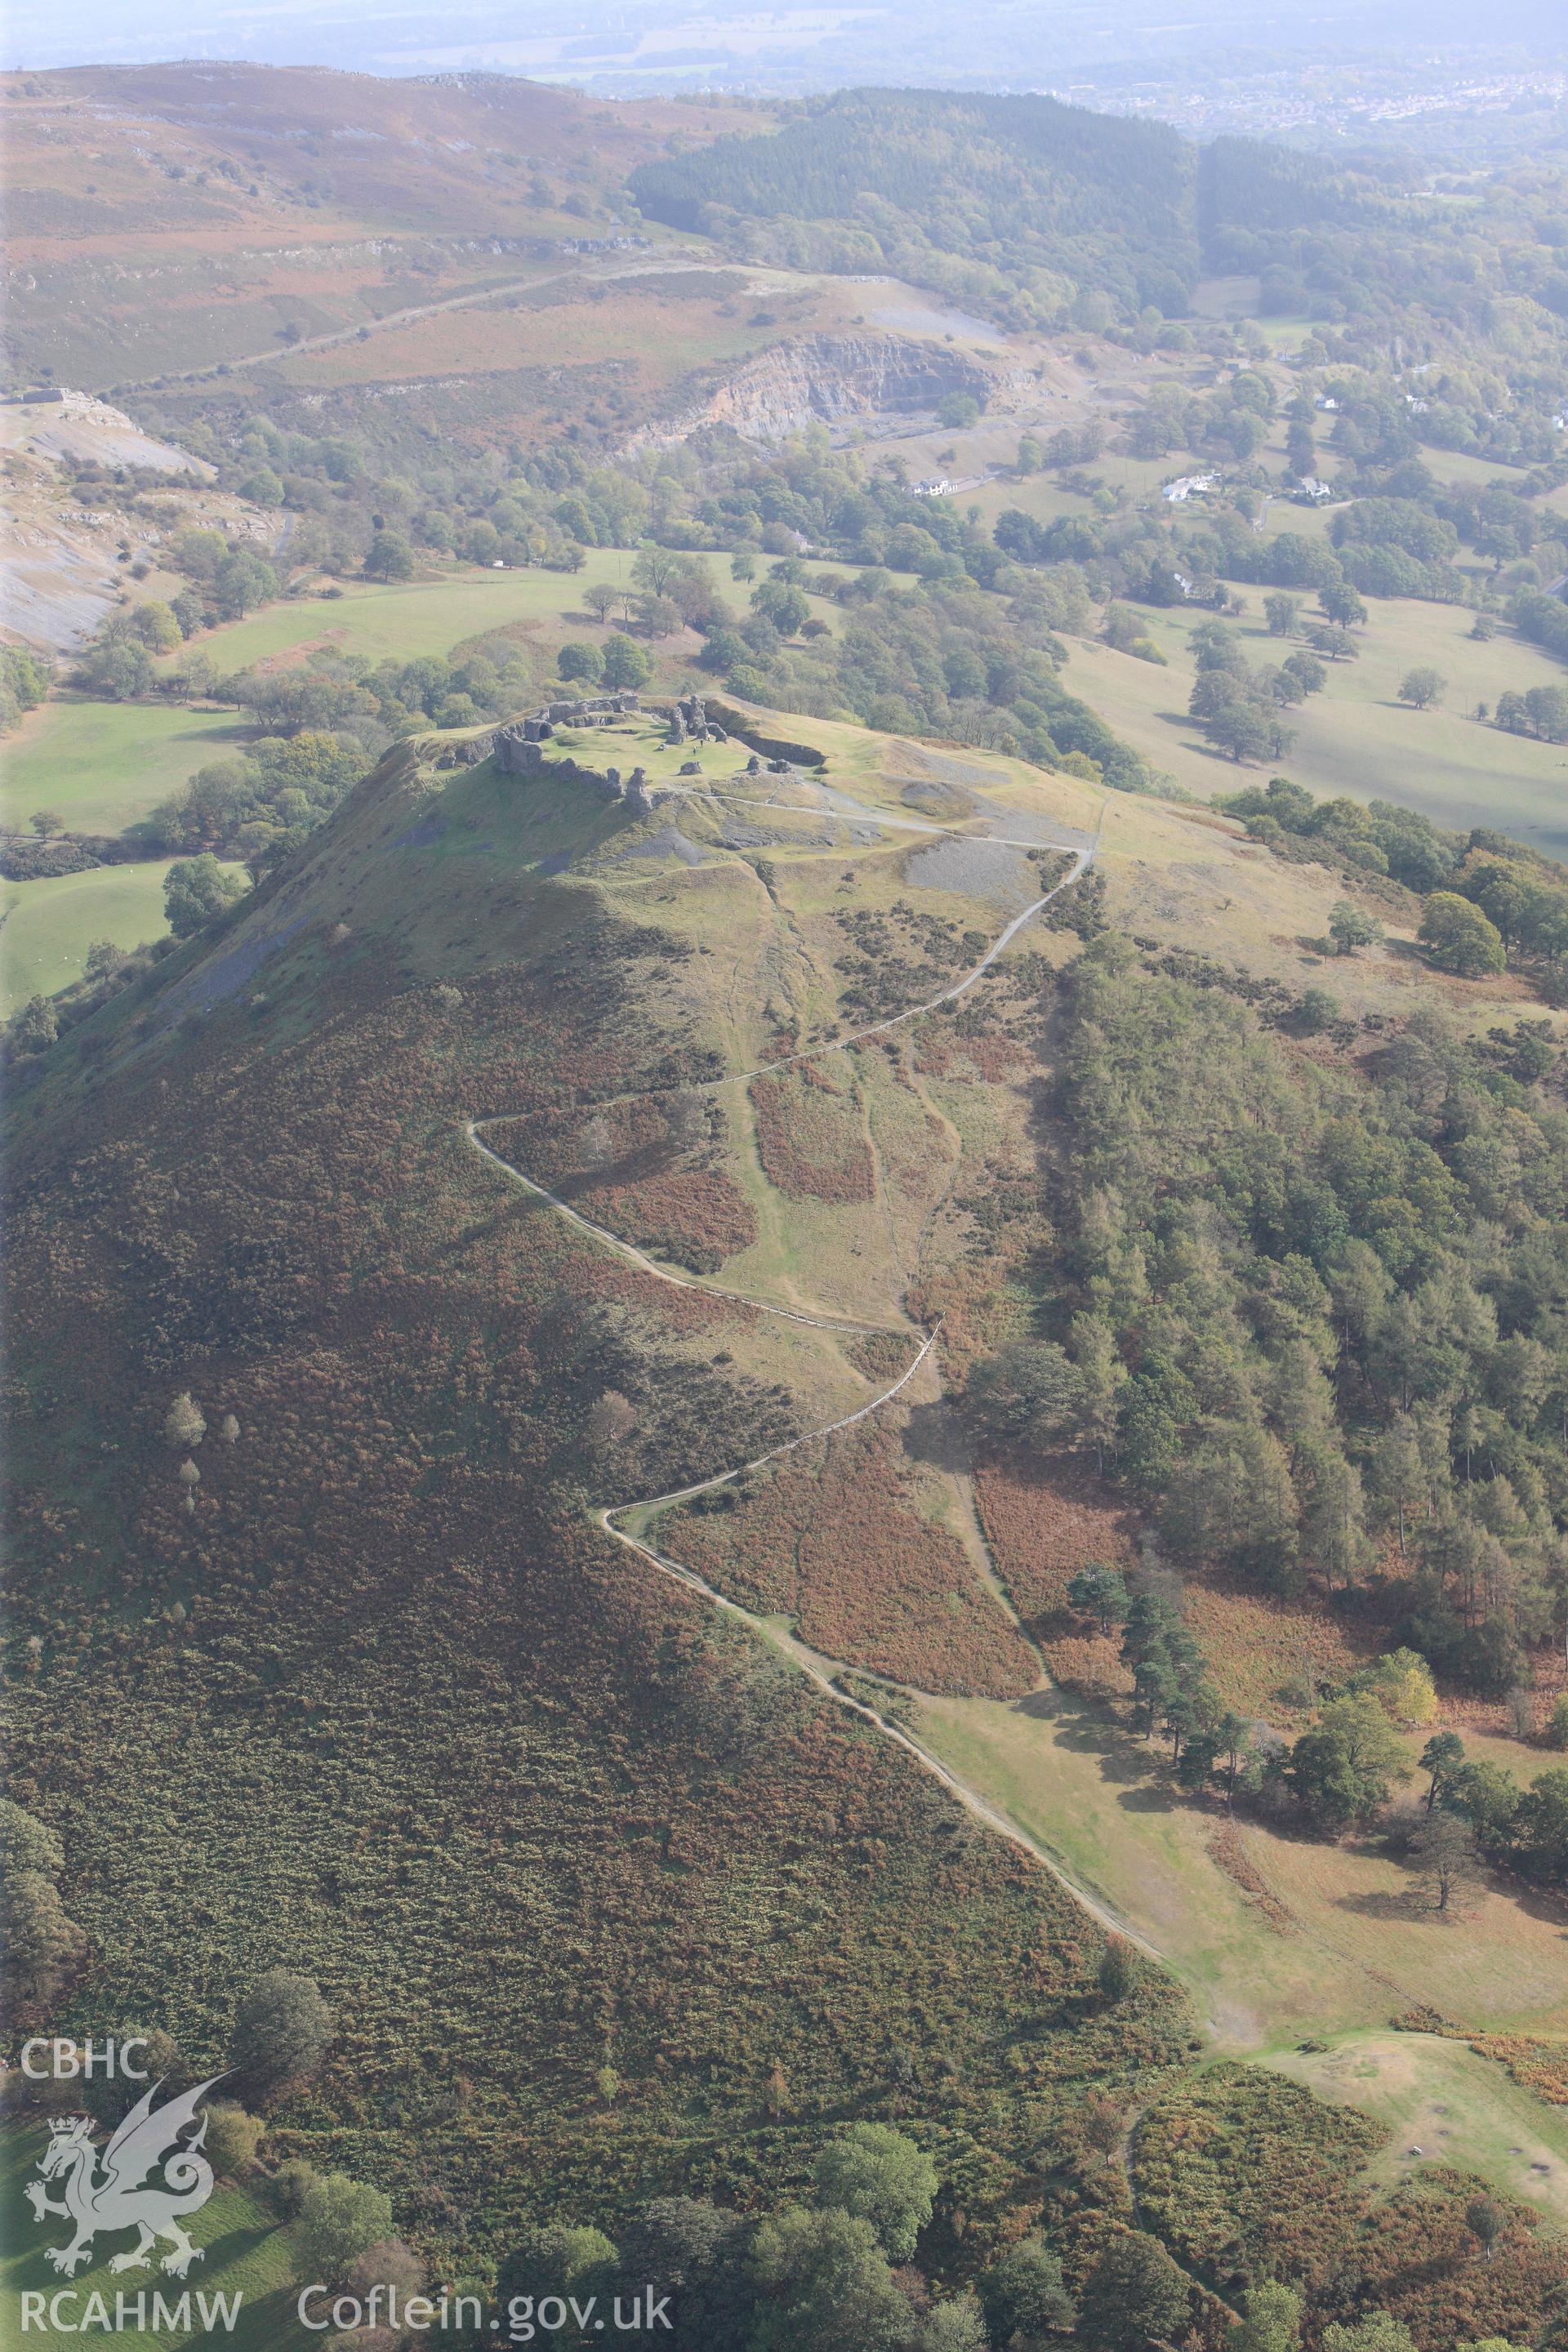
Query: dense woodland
x=1311 y=1312
x=1009 y=202
x=1049 y=215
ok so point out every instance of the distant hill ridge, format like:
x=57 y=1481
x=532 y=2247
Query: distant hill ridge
x=1030 y=205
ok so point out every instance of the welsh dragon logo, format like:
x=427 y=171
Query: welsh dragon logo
x=111 y=2188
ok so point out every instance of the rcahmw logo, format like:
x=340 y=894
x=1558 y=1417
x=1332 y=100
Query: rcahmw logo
x=73 y=2311
x=151 y=2177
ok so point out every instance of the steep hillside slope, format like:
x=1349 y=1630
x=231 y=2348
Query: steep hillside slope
x=527 y=1159
x=168 y=217
x=591 y=1824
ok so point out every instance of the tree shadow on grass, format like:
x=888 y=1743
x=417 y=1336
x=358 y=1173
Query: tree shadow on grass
x=1405 y=1903
x=235 y=2246
x=1534 y=1903
x=1126 y=1758
x=1152 y=1797
x=1199 y=749
x=933 y=1433
x=265 y=2321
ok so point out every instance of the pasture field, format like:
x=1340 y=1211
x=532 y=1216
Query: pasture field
x=102 y=765
x=1342 y=1943
x=46 y=928
x=430 y=616
x=1321 y=1944
x=1357 y=736
x=398 y=622
x=1455 y=2107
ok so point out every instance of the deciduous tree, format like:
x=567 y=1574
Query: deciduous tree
x=823 y=2286
x=281 y=2031
x=339 y=2218
x=1422 y=688
x=1134 y=2296
x=1458 y=937
x=885 y=2177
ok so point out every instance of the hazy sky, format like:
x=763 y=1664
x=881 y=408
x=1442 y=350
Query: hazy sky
x=653 y=43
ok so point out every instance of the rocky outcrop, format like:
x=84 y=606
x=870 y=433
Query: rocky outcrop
x=67 y=423
x=837 y=379
x=518 y=749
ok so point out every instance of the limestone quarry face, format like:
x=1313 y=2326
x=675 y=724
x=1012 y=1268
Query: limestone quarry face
x=842 y=381
x=60 y=570
x=70 y=423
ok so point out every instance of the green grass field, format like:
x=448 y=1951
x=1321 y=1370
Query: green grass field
x=46 y=928
x=102 y=765
x=421 y=616
x=1352 y=1951
x=1356 y=737
x=427 y=616
x=1356 y=1947
x=245 y=2255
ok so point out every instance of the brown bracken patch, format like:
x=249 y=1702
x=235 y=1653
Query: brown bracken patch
x=832 y=1537
x=810 y=1141
x=1227 y=1849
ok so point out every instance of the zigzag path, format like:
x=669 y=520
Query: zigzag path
x=824 y=1672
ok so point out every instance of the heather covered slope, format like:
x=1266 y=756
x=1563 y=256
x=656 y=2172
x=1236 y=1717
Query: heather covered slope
x=179 y=216
x=384 y=1707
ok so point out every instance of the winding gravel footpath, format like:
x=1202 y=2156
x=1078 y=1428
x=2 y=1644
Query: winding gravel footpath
x=823 y=1672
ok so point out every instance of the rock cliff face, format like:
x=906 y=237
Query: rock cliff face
x=837 y=380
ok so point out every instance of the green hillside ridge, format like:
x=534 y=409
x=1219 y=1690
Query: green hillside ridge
x=1048 y=198
x=431 y=874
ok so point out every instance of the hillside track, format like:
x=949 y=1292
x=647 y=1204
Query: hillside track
x=824 y=1674
x=480 y=298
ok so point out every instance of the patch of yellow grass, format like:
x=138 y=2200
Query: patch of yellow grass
x=1456 y=2108
x=1358 y=1950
